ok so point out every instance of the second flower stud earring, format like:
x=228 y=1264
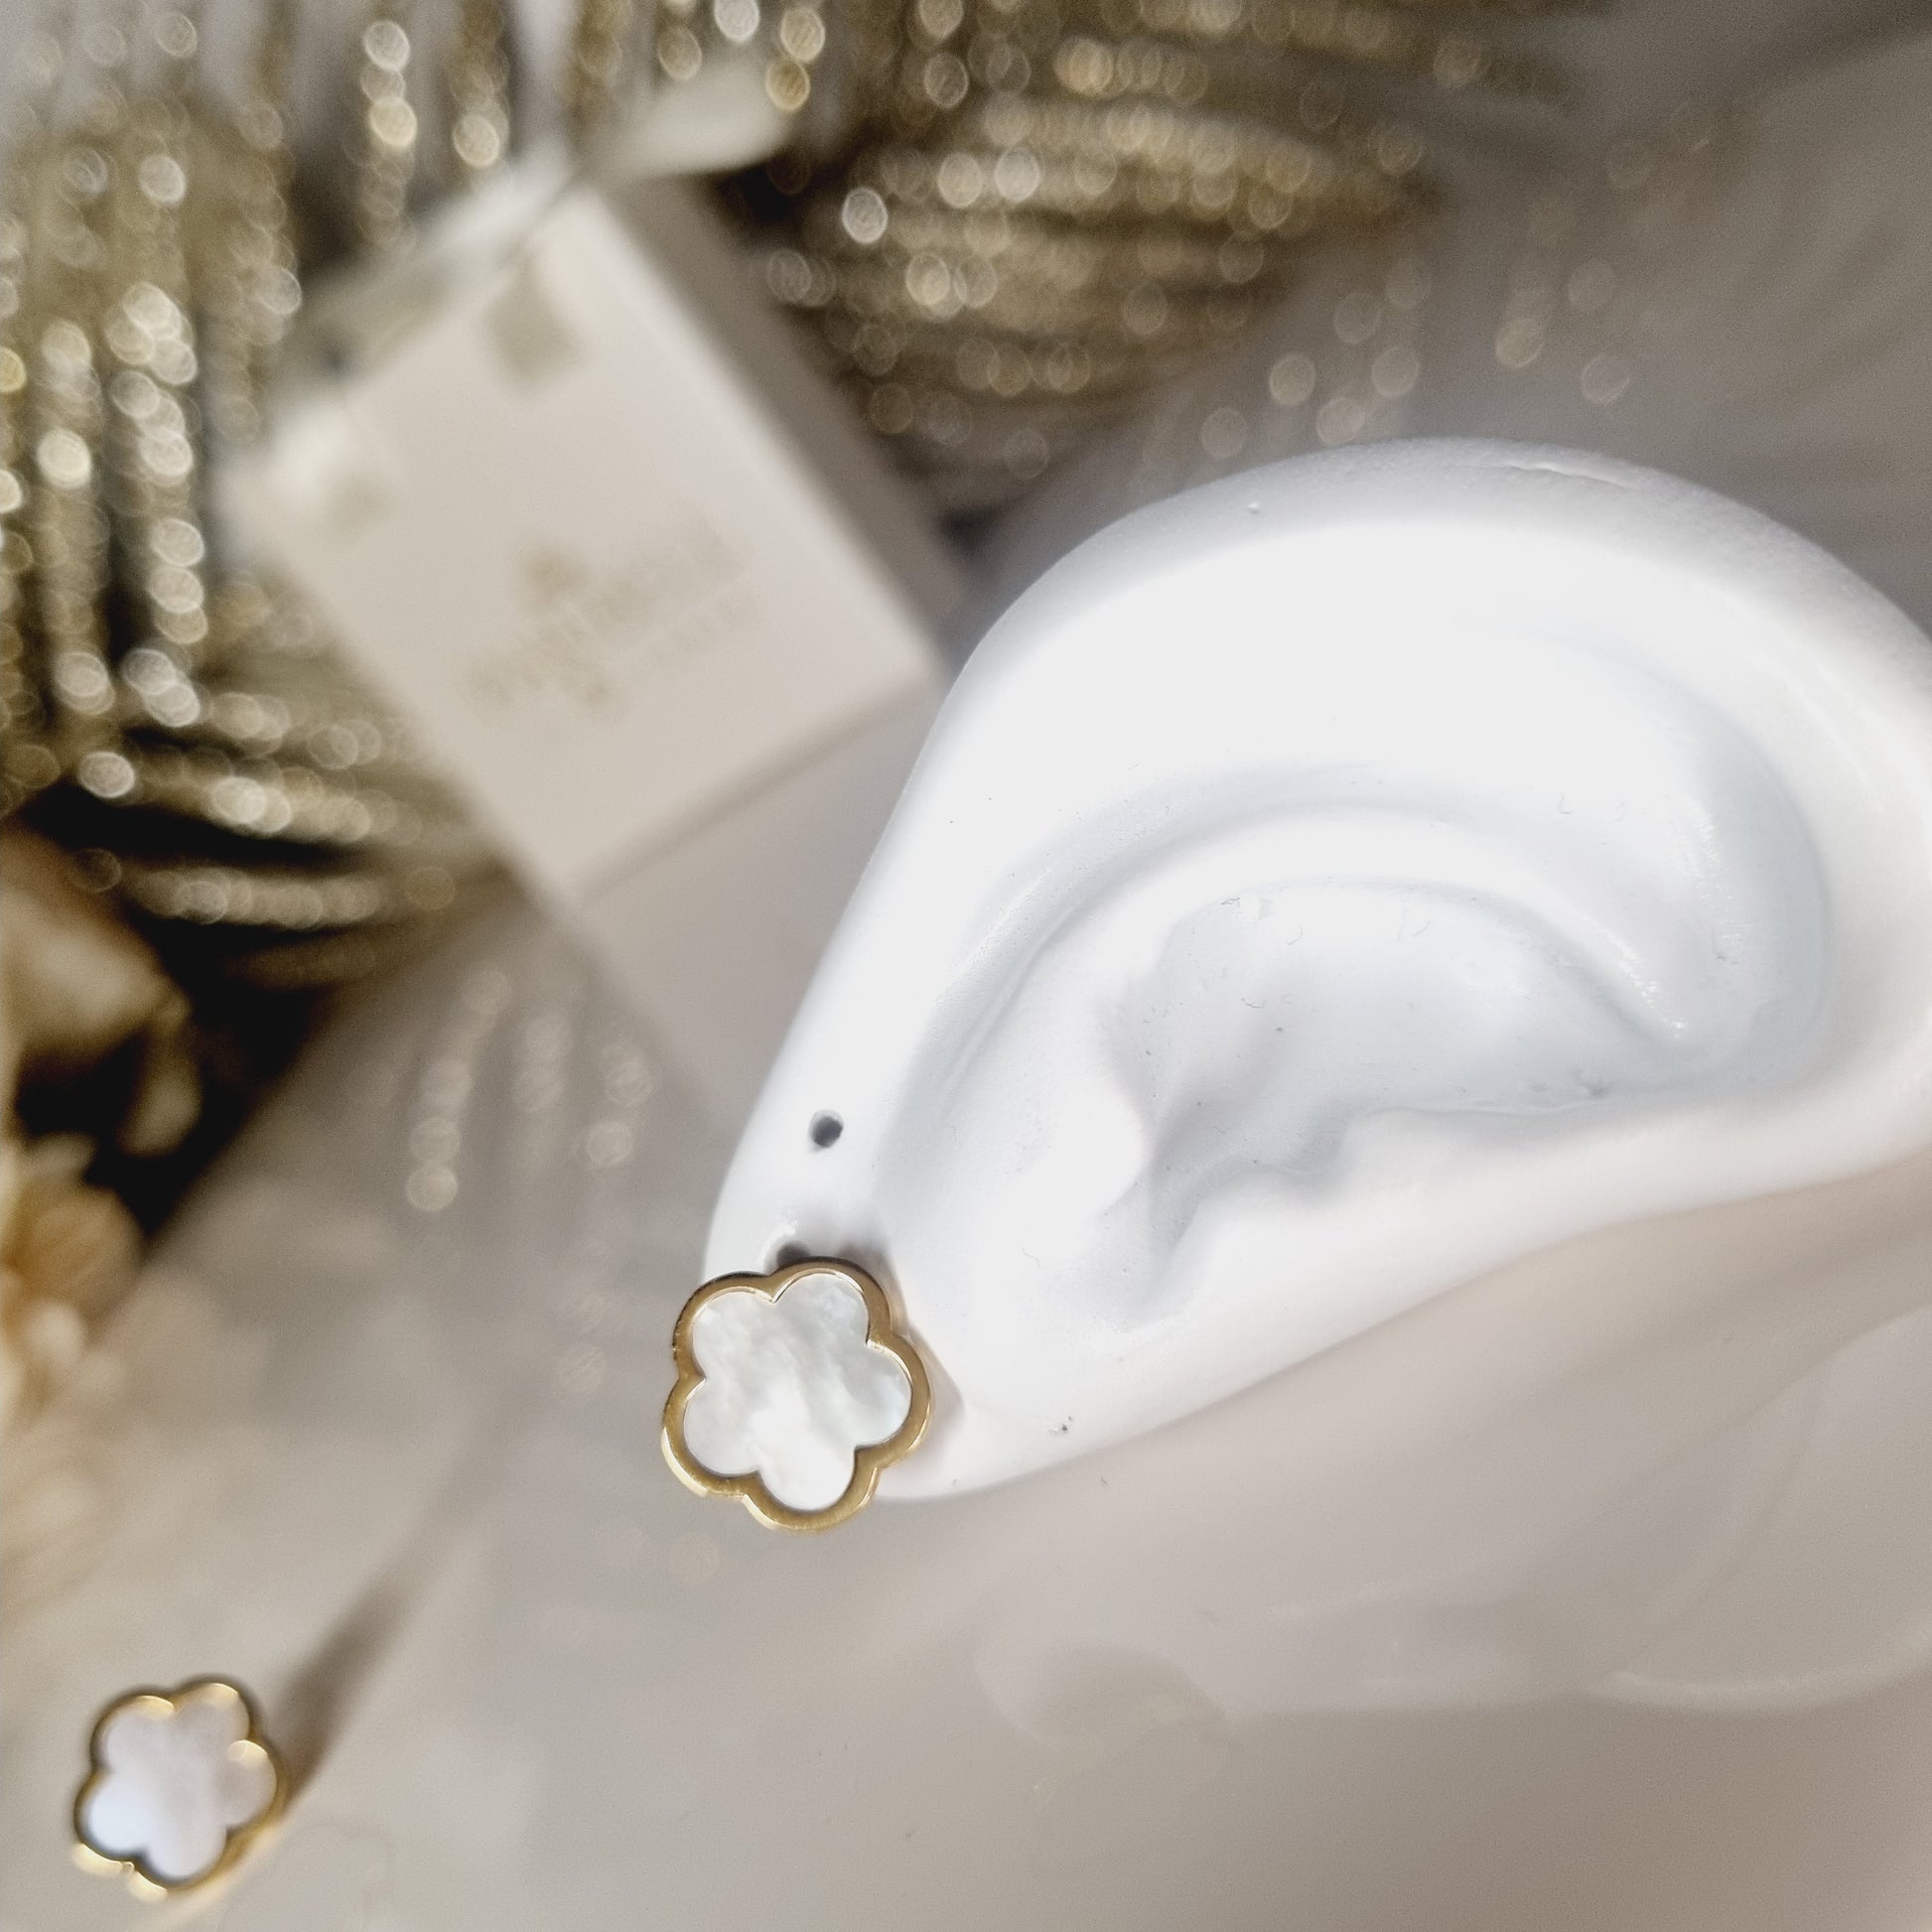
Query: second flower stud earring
x=793 y=1392
x=177 y=1783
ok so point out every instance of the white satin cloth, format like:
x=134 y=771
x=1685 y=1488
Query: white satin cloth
x=377 y=1438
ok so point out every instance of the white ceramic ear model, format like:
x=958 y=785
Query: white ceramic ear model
x=1334 y=885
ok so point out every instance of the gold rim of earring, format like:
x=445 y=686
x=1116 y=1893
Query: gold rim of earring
x=869 y=1460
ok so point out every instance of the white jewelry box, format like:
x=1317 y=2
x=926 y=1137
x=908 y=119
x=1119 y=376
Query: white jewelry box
x=644 y=593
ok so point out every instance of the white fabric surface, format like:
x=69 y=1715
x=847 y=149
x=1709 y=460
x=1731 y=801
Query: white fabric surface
x=377 y=1435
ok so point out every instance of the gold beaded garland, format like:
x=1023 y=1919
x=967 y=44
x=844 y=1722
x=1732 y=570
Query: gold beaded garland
x=179 y=721
x=1050 y=210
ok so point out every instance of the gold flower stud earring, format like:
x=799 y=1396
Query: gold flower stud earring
x=178 y=1783
x=793 y=1392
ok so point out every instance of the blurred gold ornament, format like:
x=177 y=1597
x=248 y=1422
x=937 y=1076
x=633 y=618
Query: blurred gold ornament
x=1032 y=215
x=68 y=1253
x=77 y=987
x=79 y=992
x=386 y=127
x=477 y=73
x=177 y=720
x=601 y=60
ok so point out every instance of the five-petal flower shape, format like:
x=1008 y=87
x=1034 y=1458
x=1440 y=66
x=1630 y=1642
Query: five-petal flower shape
x=178 y=1782
x=793 y=1392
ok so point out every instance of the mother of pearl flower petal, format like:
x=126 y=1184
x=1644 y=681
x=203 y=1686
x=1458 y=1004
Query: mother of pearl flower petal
x=792 y=1392
x=180 y=1781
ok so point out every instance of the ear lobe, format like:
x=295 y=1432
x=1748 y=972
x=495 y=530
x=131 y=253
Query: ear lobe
x=1335 y=886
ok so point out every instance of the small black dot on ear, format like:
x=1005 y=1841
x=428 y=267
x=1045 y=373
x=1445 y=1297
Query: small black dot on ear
x=826 y=1128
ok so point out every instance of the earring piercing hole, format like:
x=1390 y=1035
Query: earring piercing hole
x=826 y=1128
